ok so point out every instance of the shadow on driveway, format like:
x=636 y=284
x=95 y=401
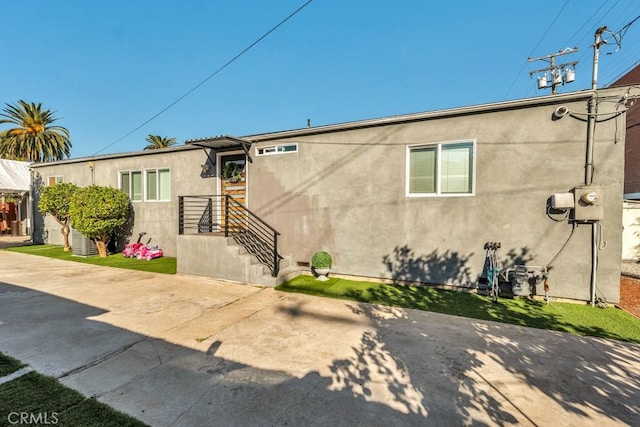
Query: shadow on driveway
x=300 y=360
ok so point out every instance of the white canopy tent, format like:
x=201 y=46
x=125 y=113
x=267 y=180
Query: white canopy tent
x=15 y=180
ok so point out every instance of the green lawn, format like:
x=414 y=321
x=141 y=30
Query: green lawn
x=165 y=265
x=47 y=401
x=9 y=365
x=579 y=319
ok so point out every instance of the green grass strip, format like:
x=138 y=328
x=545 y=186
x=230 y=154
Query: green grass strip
x=42 y=400
x=164 y=265
x=578 y=319
x=9 y=365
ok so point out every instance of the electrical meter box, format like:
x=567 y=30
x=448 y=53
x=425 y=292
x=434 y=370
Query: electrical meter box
x=589 y=203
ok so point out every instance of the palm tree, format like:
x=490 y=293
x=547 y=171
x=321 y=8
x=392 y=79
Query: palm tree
x=157 y=141
x=33 y=139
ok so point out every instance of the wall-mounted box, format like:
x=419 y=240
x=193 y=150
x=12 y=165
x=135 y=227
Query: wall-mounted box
x=589 y=203
x=562 y=201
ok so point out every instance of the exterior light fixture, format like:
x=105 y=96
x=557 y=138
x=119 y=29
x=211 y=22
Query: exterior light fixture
x=560 y=112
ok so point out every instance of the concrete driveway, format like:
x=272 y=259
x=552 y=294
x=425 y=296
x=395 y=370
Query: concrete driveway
x=191 y=351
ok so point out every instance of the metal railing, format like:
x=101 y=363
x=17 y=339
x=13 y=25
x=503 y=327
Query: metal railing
x=225 y=216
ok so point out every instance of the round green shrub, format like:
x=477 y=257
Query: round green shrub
x=321 y=260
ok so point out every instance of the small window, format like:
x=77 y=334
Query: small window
x=277 y=149
x=131 y=184
x=158 y=184
x=53 y=180
x=441 y=169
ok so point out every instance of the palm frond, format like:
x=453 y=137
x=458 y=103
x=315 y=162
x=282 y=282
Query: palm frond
x=34 y=138
x=157 y=141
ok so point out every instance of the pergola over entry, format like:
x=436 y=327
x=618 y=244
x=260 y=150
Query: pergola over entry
x=218 y=144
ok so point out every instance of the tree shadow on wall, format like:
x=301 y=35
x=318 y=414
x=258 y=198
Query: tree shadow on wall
x=446 y=268
x=450 y=268
x=515 y=257
x=122 y=234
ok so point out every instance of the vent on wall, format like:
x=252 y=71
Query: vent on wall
x=81 y=245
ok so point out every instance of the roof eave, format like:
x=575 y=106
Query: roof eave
x=405 y=118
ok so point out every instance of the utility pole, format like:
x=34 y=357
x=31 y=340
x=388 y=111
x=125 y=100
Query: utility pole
x=593 y=107
x=592 y=111
x=557 y=76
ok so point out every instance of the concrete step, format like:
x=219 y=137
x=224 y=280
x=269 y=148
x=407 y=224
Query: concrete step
x=261 y=273
x=284 y=275
x=229 y=261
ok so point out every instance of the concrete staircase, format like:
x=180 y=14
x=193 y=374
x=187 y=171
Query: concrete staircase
x=221 y=257
x=259 y=273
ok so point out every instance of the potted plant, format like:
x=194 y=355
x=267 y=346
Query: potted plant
x=321 y=265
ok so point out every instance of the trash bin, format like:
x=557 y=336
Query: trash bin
x=15 y=228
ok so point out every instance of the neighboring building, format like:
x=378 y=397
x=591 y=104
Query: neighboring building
x=410 y=198
x=631 y=208
x=632 y=148
x=156 y=210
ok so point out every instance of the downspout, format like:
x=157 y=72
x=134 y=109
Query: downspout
x=592 y=111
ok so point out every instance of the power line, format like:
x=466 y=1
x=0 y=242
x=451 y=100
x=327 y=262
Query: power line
x=583 y=25
x=618 y=75
x=193 y=89
x=601 y=18
x=584 y=55
x=624 y=29
x=549 y=28
x=618 y=37
x=535 y=47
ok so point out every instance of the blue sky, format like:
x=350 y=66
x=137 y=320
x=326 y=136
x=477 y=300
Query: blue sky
x=107 y=67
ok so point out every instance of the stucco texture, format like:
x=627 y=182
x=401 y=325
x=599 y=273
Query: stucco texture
x=344 y=192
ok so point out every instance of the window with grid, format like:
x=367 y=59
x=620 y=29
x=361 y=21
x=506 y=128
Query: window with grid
x=131 y=183
x=158 y=184
x=441 y=169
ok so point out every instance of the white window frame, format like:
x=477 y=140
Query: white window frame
x=145 y=184
x=439 y=146
x=58 y=179
x=129 y=192
x=272 y=150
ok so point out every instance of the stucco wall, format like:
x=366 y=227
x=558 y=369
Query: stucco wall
x=159 y=219
x=344 y=192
